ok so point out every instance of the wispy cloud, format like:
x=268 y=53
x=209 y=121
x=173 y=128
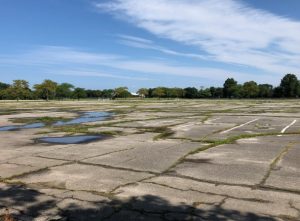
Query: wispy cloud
x=71 y=61
x=228 y=30
x=93 y=73
x=138 y=42
x=47 y=55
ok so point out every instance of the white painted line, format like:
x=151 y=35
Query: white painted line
x=249 y=122
x=287 y=127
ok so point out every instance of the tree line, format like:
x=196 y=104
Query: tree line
x=20 y=90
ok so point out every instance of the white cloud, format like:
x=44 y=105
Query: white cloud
x=93 y=73
x=138 y=42
x=49 y=55
x=71 y=61
x=229 y=30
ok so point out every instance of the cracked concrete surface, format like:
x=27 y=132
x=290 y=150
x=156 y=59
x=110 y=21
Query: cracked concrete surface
x=195 y=173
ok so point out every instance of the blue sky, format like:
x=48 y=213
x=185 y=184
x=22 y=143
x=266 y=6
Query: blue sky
x=147 y=43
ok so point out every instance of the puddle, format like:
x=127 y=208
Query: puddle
x=17 y=127
x=71 y=139
x=9 y=128
x=85 y=118
x=34 y=125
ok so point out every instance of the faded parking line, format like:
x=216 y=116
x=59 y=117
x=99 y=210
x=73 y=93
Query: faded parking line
x=287 y=127
x=249 y=122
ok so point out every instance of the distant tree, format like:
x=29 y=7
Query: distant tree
x=94 y=93
x=159 y=92
x=179 y=92
x=3 y=90
x=79 y=93
x=3 y=86
x=18 y=90
x=171 y=92
x=64 y=90
x=191 y=92
x=250 y=89
x=231 y=88
x=108 y=93
x=216 y=92
x=290 y=86
x=204 y=93
x=122 y=92
x=265 y=90
x=143 y=92
x=46 y=90
x=278 y=92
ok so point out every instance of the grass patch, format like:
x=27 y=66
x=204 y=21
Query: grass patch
x=164 y=132
x=111 y=133
x=46 y=120
x=73 y=129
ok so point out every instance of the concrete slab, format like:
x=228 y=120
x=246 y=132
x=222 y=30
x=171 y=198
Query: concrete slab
x=238 y=198
x=170 y=199
x=155 y=156
x=251 y=179
x=199 y=131
x=244 y=163
x=83 y=177
x=286 y=174
x=85 y=151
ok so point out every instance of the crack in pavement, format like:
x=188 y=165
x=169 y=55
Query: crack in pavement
x=275 y=161
x=117 y=168
x=210 y=193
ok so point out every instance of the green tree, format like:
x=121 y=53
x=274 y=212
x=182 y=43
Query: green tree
x=122 y=92
x=108 y=93
x=179 y=92
x=79 y=93
x=250 y=89
x=3 y=90
x=204 y=93
x=143 y=92
x=278 y=92
x=3 y=86
x=231 y=88
x=171 y=92
x=159 y=92
x=216 y=92
x=191 y=92
x=46 y=90
x=290 y=86
x=265 y=90
x=93 y=93
x=18 y=90
x=64 y=90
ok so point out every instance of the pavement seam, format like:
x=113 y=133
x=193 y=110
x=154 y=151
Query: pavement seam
x=268 y=188
x=275 y=161
x=116 y=168
x=35 y=171
x=209 y=193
